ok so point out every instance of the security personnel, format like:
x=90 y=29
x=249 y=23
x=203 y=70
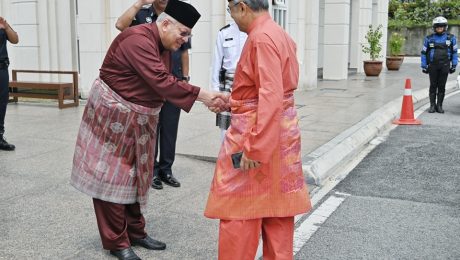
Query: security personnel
x=147 y=11
x=229 y=43
x=439 y=58
x=6 y=34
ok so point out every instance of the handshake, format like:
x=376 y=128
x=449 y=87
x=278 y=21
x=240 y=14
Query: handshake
x=216 y=102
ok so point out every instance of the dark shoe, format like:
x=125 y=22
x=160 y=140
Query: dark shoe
x=439 y=109
x=439 y=104
x=5 y=146
x=170 y=180
x=156 y=183
x=432 y=103
x=149 y=243
x=125 y=254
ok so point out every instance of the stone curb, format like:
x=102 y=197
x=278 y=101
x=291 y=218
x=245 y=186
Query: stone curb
x=323 y=163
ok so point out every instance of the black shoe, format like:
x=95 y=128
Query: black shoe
x=5 y=146
x=432 y=108
x=125 y=254
x=149 y=243
x=170 y=180
x=439 y=109
x=156 y=183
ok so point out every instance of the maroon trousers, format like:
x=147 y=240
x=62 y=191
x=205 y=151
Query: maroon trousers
x=118 y=223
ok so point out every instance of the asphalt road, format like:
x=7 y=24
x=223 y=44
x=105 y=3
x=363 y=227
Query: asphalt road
x=402 y=201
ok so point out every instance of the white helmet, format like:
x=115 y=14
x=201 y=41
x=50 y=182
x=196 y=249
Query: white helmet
x=440 y=22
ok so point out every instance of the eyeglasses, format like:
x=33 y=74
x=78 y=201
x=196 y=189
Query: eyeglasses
x=182 y=33
x=229 y=8
x=186 y=34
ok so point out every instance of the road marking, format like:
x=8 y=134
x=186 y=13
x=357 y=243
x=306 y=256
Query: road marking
x=308 y=227
x=311 y=224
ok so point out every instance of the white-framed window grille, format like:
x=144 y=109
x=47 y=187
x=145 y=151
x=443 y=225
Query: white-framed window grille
x=279 y=8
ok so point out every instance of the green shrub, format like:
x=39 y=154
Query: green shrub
x=396 y=43
x=373 y=37
x=420 y=13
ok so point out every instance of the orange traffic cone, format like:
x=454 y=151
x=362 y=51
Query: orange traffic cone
x=407 y=110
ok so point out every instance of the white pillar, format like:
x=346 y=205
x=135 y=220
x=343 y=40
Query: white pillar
x=202 y=45
x=309 y=19
x=219 y=18
x=365 y=19
x=382 y=18
x=45 y=31
x=94 y=35
x=336 y=39
x=24 y=55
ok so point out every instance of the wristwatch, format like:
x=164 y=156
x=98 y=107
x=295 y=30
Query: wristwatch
x=186 y=78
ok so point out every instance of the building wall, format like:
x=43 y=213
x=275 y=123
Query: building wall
x=75 y=34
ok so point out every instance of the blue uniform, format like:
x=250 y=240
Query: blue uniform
x=441 y=49
x=439 y=57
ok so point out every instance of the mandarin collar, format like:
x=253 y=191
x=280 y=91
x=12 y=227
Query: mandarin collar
x=259 y=20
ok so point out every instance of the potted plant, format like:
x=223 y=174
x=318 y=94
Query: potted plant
x=396 y=44
x=373 y=36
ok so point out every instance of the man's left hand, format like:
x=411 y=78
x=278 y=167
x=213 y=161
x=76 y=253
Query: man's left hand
x=247 y=164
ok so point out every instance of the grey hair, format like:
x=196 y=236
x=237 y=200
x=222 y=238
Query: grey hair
x=164 y=16
x=255 y=5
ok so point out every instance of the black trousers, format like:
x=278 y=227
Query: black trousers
x=166 y=139
x=438 y=78
x=4 y=95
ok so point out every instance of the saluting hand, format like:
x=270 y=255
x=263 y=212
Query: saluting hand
x=146 y=2
x=3 y=23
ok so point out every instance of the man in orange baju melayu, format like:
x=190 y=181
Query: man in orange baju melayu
x=268 y=190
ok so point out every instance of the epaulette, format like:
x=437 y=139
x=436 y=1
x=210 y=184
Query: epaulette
x=225 y=27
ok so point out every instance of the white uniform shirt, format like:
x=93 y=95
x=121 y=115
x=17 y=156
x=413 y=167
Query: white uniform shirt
x=229 y=43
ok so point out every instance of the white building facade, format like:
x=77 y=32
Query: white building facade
x=75 y=34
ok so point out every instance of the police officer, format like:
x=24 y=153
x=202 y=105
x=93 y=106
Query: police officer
x=439 y=58
x=147 y=11
x=229 y=43
x=6 y=34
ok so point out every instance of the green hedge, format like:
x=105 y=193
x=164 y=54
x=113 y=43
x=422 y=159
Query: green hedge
x=420 y=13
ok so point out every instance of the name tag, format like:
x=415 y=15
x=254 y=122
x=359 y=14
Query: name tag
x=229 y=39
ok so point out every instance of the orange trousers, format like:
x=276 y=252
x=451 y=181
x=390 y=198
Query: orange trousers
x=239 y=239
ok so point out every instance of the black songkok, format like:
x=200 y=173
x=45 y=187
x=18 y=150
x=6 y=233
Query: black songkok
x=183 y=12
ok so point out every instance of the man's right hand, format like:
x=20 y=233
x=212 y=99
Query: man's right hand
x=146 y=2
x=425 y=70
x=215 y=101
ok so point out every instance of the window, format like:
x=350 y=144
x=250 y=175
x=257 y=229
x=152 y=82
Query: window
x=280 y=12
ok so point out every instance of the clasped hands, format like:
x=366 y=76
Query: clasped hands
x=215 y=101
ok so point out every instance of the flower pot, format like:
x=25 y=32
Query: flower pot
x=394 y=62
x=372 y=67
